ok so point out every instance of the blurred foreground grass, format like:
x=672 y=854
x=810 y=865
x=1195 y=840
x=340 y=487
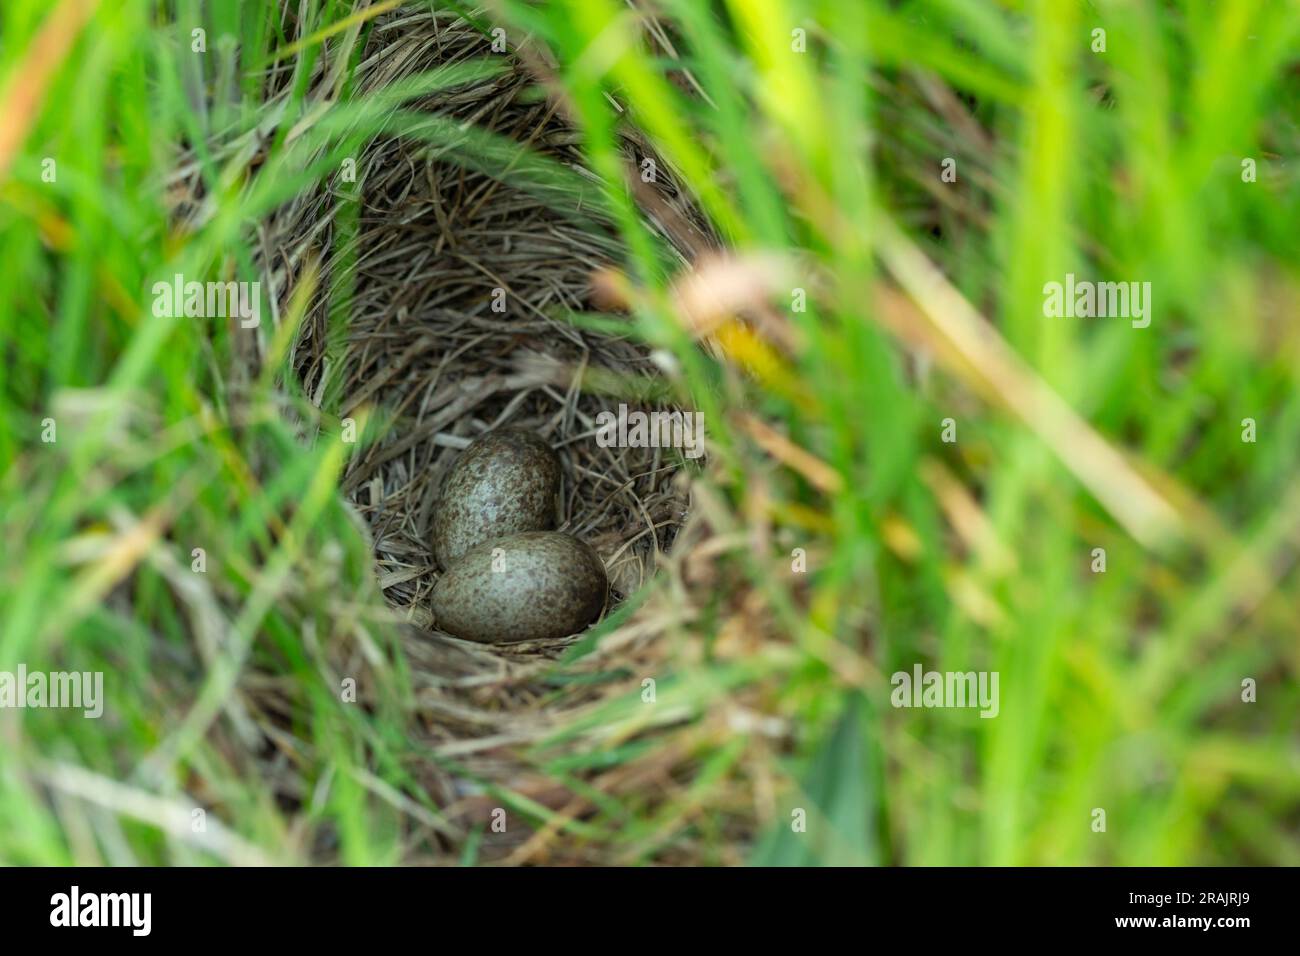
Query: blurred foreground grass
x=815 y=137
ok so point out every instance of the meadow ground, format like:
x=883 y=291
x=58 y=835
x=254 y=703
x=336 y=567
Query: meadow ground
x=864 y=240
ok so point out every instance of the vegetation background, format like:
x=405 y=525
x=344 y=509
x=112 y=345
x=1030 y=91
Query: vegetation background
x=813 y=137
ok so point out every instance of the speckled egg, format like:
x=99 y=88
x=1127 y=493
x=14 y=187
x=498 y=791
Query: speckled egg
x=506 y=481
x=537 y=585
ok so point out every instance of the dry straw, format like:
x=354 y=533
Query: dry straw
x=424 y=349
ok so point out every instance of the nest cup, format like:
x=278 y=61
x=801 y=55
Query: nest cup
x=460 y=287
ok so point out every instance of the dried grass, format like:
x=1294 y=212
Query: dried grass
x=425 y=348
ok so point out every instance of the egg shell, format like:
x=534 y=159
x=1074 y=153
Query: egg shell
x=532 y=586
x=506 y=481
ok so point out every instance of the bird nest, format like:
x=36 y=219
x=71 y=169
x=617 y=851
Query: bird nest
x=460 y=288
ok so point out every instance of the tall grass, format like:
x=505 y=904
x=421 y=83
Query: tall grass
x=814 y=136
